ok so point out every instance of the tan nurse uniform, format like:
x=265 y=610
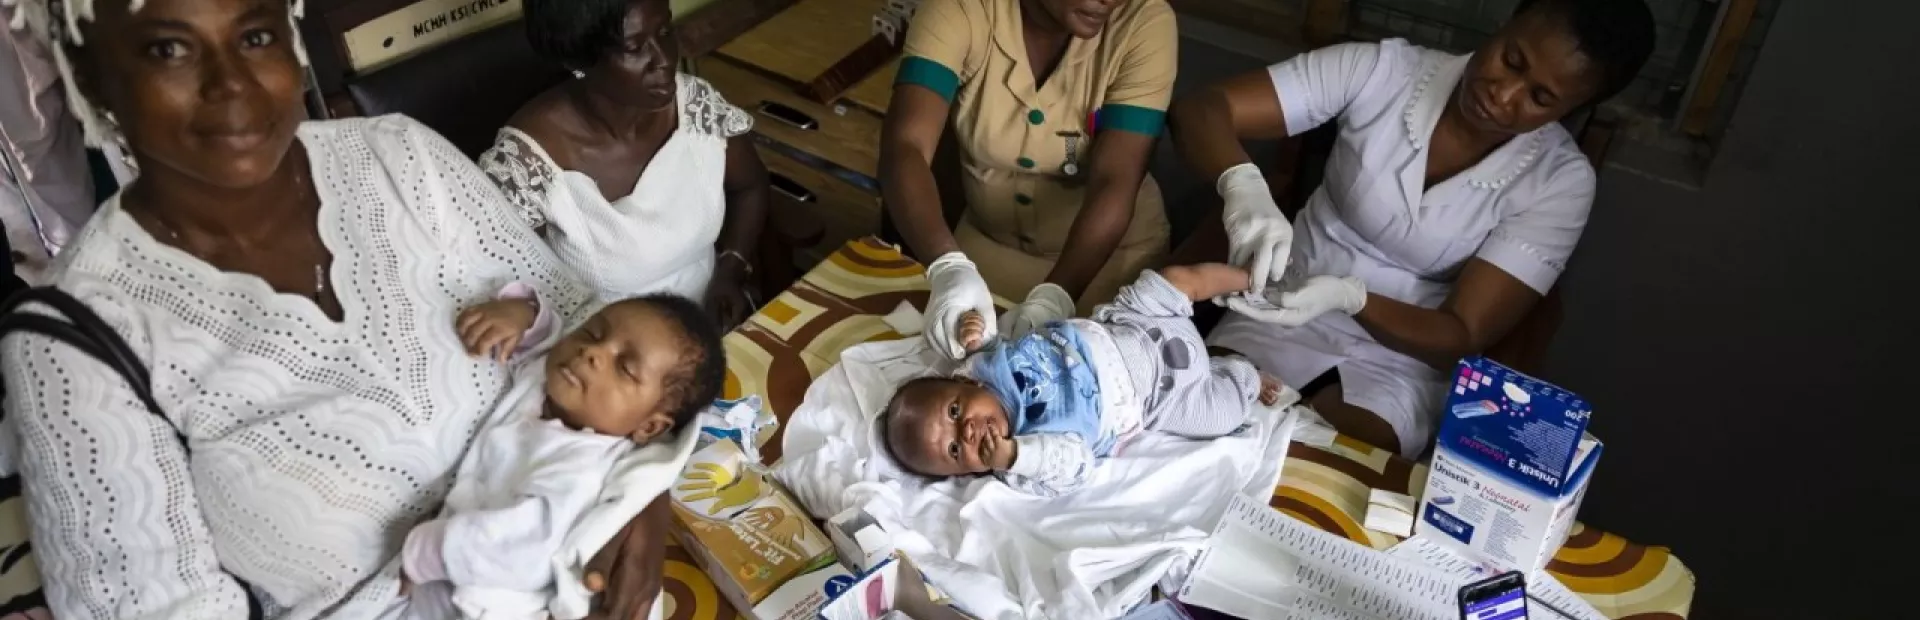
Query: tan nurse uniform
x=1025 y=146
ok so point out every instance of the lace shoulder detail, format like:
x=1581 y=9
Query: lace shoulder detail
x=705 y=111
x=523 y=171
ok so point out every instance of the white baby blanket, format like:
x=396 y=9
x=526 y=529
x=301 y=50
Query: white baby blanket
x=1144 y=514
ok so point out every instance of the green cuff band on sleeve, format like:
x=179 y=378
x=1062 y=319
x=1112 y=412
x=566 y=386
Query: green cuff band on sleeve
x=929 y=74
x=1145 y=121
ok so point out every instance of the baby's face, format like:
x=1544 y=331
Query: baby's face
x=948 y=427
x=609 y=376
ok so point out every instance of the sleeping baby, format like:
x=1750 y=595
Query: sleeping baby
x=567 y=460
x=1038 y=410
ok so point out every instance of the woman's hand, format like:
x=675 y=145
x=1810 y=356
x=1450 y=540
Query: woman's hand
x=727 y=293
x=957 y=290
x=1259 y=237
x=1320 y=295
x=627 y=573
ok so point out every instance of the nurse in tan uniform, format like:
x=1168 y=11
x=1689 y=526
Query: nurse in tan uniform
x=1056 y=104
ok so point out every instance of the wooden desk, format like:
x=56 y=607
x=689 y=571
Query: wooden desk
x=824 y=158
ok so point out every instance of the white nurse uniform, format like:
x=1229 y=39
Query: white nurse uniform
x=1522 y=209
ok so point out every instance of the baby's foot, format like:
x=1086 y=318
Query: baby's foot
x=1269 y=389
x=973 y=329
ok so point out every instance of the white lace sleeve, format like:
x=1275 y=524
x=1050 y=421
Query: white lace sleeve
x=116 y=527
x=1049 y=464
x=476 y=216
x=523 y=172
x=707 y=112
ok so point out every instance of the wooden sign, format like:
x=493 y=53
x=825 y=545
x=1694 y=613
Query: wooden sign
x=889 y=35
x=419 y=27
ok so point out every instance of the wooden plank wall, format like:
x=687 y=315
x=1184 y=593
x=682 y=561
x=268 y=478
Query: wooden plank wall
x=1697 y=119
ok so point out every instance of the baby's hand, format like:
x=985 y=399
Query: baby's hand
x=1269 y=389
x=973 y=331
x=494 y=328
x=1005 y=451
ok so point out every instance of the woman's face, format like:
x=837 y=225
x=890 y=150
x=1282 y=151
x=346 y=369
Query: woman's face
x=1084 y=18
x=210 y=89
x=1529 y=74
x=640 y=69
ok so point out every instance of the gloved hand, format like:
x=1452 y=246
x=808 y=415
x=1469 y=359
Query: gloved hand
x=1259 y=237
x=1045 y=303
x=1321 y=294
x=957 y=288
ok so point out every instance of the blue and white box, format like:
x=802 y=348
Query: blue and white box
x=1509 y=468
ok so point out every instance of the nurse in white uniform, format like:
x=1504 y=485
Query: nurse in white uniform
x=1451 y=203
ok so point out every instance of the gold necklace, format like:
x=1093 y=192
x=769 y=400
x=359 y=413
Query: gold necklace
x=319 y=266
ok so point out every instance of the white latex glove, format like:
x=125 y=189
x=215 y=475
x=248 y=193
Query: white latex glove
x=1320 y=295
x=957 y=288
x=1259 y=237
x=1045 y=303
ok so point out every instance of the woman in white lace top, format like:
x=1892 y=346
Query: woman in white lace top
x=288 y=283
x=641 y=178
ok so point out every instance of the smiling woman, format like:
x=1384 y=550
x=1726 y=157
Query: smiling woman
x=288 y=285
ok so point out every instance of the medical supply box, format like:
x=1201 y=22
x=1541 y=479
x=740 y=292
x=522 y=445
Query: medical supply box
x=1509 y=468
x=861 y=541
x=760 y=548
x=869 y=597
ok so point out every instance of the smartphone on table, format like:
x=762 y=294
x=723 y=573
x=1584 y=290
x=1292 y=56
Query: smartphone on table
x=1501 y=597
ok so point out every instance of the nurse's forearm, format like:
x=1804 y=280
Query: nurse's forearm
x=1096 y=231
x=1208 y=125
x=1115 y=168
x=1435 y=337
x=911 y=133
x=1202 y=128
x=913 y=201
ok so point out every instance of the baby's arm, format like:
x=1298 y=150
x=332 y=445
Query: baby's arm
x=510 y=547
x=1170 y=292
x=1049 y=464
x=1205 y=281
x=515 y=322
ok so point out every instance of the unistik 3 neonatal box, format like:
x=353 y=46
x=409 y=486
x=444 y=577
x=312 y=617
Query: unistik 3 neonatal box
x=1509 y=468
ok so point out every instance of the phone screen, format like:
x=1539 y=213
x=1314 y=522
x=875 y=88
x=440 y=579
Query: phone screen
x=1500 y=598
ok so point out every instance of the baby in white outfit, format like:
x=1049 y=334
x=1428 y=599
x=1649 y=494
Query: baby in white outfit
x=569 y=457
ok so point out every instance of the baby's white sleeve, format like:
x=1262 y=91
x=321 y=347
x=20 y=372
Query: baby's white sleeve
x=1049 y=464
x=545 y=330
x=510 y=546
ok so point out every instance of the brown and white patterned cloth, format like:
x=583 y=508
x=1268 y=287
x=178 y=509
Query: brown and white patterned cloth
x=801 y=333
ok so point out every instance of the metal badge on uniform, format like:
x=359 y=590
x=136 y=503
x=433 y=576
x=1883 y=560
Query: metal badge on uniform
x=1072 y=165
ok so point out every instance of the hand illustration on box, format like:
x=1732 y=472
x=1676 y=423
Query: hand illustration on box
x=727 y=489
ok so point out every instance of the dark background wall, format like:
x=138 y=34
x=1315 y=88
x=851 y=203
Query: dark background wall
x=1746 y=344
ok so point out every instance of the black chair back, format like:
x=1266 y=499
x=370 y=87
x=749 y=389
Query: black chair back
x=465 y=89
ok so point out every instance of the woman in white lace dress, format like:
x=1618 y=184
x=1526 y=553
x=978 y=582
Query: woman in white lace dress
x=641 y=178
x=289 y=285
